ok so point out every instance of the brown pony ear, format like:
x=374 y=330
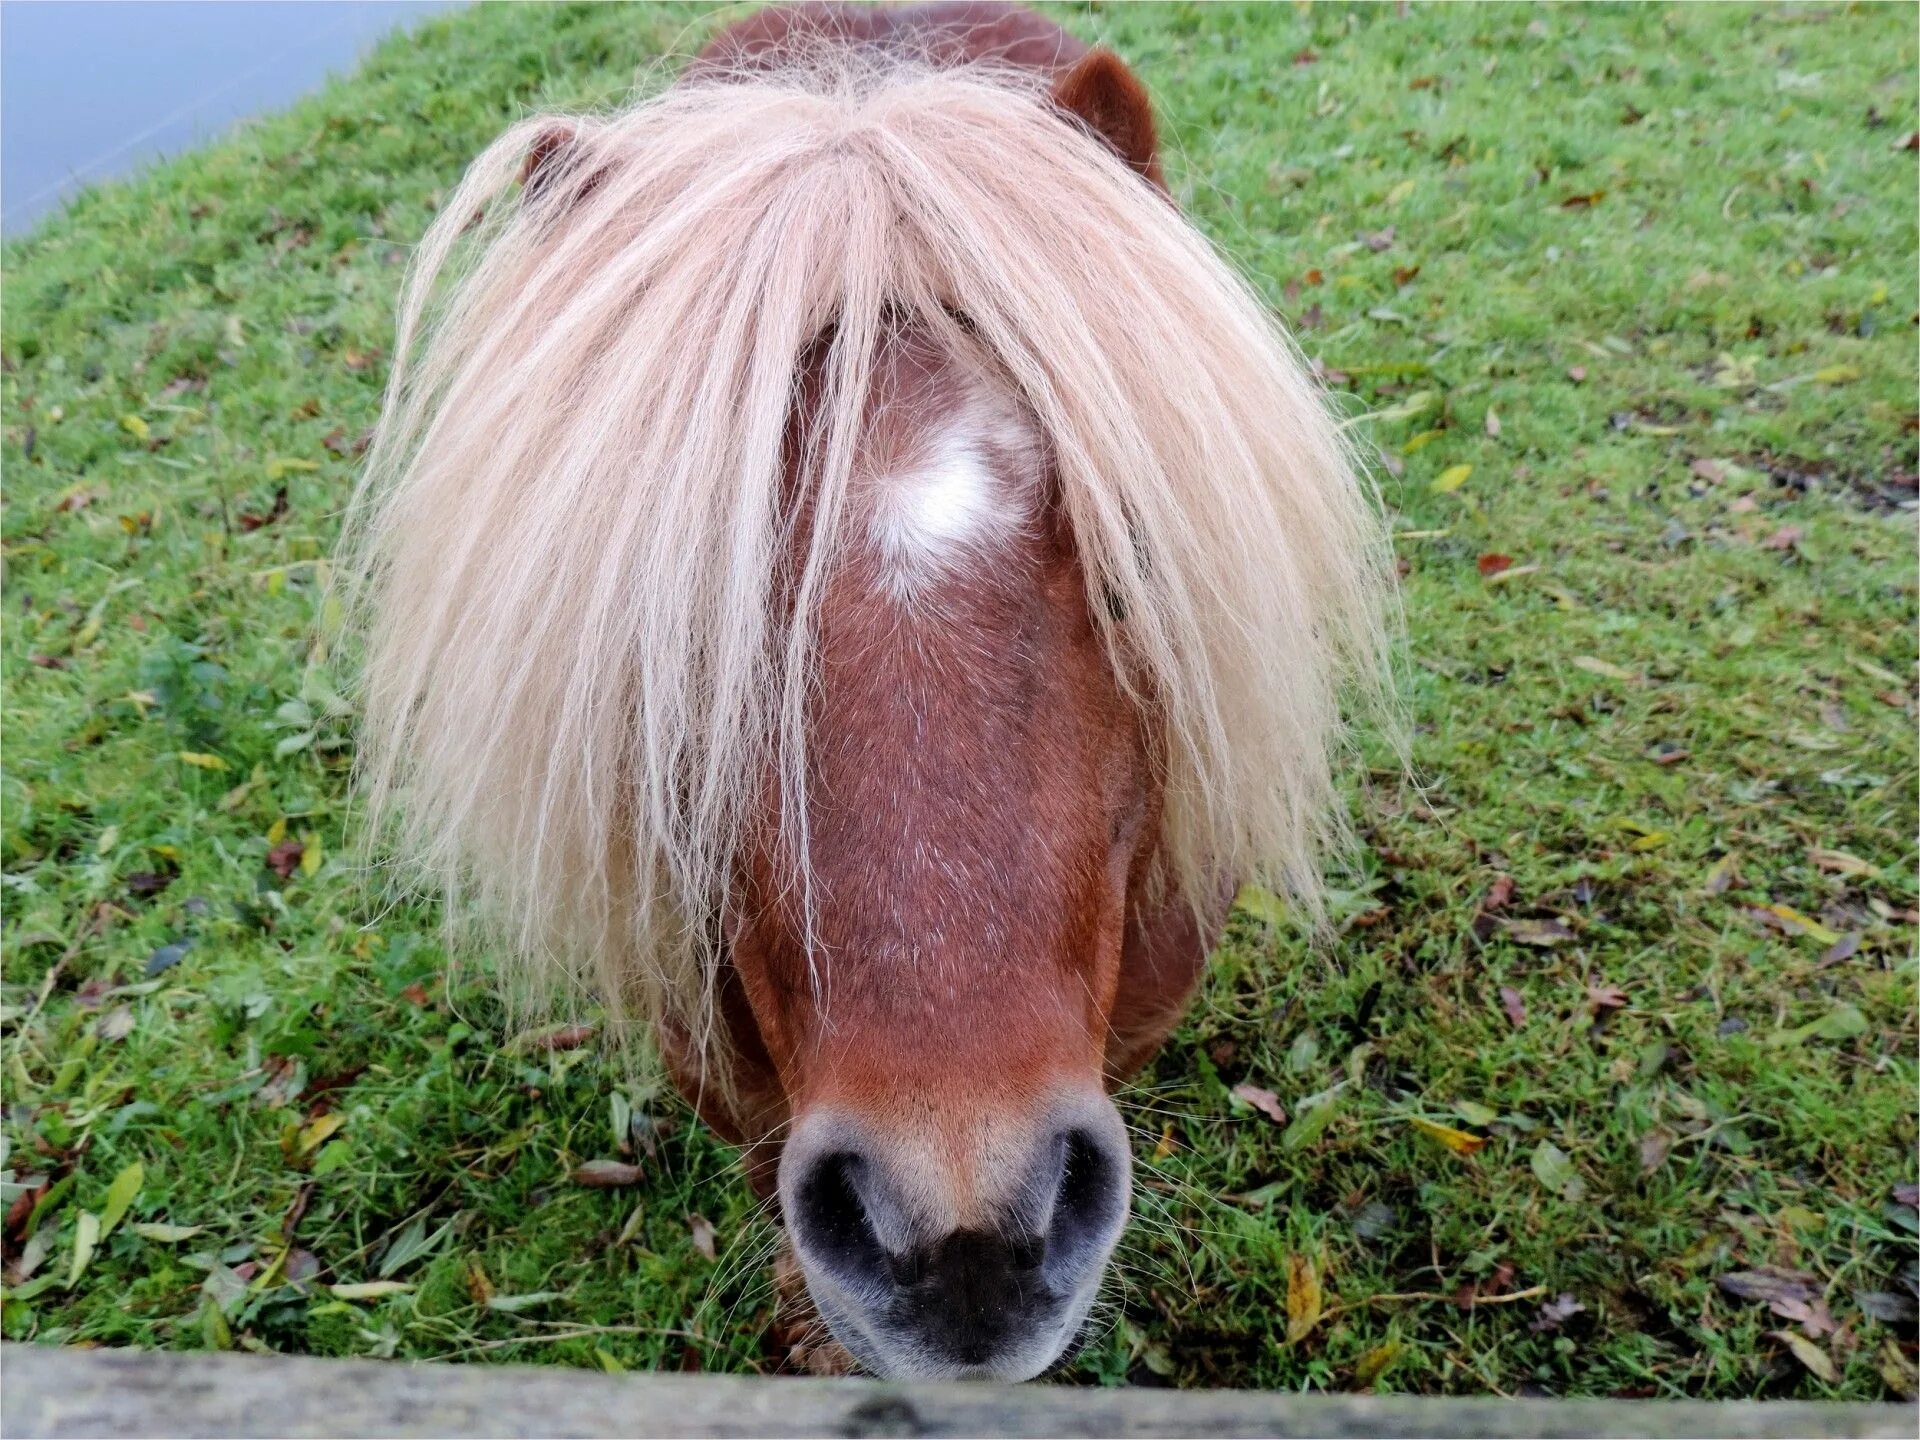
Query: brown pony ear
x=550 y=162
x=1101 y=92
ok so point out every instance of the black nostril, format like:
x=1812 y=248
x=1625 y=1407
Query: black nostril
x=834 y=1217
x=1090 y=1198
x=1027 y=1252
x=907 y=1270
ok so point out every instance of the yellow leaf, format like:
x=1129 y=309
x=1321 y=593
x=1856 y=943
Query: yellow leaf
x=311 y=855
x=86 y=1235
x=1261 y=903
x=277 y=831
x=109 y=838
x=1593 y=665
x=120 y=1195
x=1165 y=1147
x=280 y=468
x=1400 y=192
x=1450 y=479
x=1652 y=840
x=1839 y=862
x=318 y=1132
x=369 y=1289
x=1370 y=1366
x=1303 y=1298
x=1836 y=374
x=1808 y=1354
x=1458 y=1141
x=1421 y=441
x=135 y=426
x=1805 y=924
x=202 y=761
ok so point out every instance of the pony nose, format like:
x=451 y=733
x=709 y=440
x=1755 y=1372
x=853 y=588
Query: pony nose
x=966 y=1275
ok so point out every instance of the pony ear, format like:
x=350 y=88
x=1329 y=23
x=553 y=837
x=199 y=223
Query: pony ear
x=1103 y=94
x=550 y=162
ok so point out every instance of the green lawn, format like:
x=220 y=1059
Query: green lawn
x=1623 y=997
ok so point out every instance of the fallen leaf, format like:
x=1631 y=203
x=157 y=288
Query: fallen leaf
x=1458 y=1141
x=1836 y=375
x=607 y=1174
x=1845 y=948
x=283 y=859
x=1515 y=1006
x=317 y=1132
x=1493 y=423
x=1494 y=563
x=1654 y=1146
x=1265 y=1101
x=1303 y=1298
x=1792 y=922
x=1605 y=999
x=1724 y=875
x=167 y=1234
x=1372 y=1365
x=1808 y=1354
x=116 y=1024
x=557 y=1037
x=1889 y=1307
x=120 y=1195
x=1450 y=479
x=369 y=1289
x=1785 y=538
x=249 y=520
x=1554 y=1168
x=1499 y=893
x=1812 y=1316
x=1543 y=933
x=1262 y=904
x=1379 y=240
x=1554 y=1313
x=86 y=1235
x=1767 y=1284
x=701 y=1229
x=201 y=761
x=513 y=1304
x=1839 y=862
x=1583 y=202
x=1577 y=373
x=1594 y=665
x=167 y=956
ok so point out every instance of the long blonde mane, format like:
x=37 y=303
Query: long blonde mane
x=580 y=666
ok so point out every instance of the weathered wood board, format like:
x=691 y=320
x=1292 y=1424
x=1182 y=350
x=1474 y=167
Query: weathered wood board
x=60 y=1392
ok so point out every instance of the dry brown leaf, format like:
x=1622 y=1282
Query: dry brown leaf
x=1265 y=1101
x=607 y=1174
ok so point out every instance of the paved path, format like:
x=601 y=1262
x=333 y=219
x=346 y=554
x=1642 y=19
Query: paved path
x=90 y=90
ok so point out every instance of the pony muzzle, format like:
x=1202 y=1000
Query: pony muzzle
x=944 y=1256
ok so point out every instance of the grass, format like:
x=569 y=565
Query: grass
x=1629 y=295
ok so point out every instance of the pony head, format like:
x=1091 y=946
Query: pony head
x=852 y=578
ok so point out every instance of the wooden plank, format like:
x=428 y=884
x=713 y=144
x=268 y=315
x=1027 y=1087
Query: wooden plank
x=49 y=1392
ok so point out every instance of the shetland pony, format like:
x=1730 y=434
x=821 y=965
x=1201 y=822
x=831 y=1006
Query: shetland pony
x=852 y=578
